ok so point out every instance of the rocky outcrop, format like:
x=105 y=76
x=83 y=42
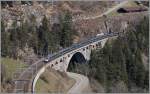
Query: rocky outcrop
x=118 y=23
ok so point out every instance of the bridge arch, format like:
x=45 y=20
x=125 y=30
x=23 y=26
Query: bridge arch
x=62 y=63
x=78 y=57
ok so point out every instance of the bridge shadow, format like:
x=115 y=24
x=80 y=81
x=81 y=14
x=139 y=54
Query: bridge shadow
x=77 y=59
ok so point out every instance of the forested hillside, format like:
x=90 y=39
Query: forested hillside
x=119 y=66
x=42 y=40
x=33 y=30
x=27 y=43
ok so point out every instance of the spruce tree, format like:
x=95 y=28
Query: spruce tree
x=67 y=32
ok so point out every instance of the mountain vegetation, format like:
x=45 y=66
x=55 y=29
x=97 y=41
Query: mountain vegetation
x=121 y=60
x=43 y=40
x=26 y=38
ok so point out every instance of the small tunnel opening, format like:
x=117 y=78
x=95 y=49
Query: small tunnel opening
x=121 y=10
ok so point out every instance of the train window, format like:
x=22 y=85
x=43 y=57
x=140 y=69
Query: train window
x=96 y=44
x=90 y=46
x=64 y=58
x=60 y=60
x=68 y=55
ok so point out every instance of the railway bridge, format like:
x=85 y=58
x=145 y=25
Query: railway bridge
x=59 y=61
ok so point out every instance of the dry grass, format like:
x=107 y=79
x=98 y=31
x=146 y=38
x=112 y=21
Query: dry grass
x=129 y=4
x=11 y=66
x=54 y=82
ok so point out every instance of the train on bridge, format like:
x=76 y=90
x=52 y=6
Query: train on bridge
x=74 y=46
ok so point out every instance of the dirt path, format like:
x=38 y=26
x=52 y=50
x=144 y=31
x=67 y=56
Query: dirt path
x=81 y=85
x=105 y=13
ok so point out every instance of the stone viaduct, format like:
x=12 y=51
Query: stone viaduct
x=80 y=53
x=60 y=61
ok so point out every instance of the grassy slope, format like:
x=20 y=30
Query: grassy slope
x=11 y=66
x=129 y=4
x=53 y=82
